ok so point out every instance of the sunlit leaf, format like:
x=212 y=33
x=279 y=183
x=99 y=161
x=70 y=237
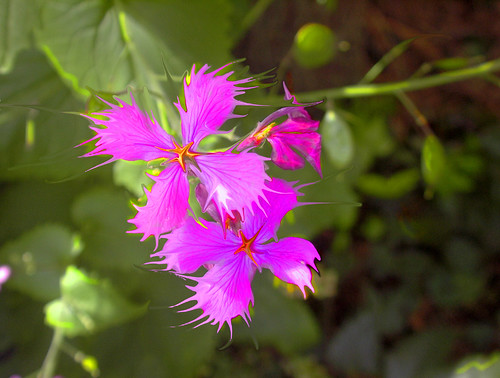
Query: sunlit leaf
x=88 y=305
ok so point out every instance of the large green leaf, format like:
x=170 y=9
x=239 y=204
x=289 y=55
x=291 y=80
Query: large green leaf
x=193 y=31
x=38 y=138
x=39 y=258
x=88 y=305
x=17 y=18
x=108 y=45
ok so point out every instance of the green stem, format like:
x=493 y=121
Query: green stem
x=365 y=90
x=50 y=361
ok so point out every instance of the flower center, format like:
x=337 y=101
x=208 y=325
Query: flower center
x=246 y=245
x=182 y=154
x=264 y=132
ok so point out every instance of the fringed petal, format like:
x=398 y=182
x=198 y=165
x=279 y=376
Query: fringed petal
x=167 y=204
x=223 y=293
x=128 y=134
x=193 y=245
x=233 y=181
x=295 y=134
x=293 y=140
x=209 y=102
x=290 y=260
x=281 y=197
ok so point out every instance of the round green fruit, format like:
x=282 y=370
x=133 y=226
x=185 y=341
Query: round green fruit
x=314 y=45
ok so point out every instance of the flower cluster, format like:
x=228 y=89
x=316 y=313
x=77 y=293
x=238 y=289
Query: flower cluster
x=232 y=187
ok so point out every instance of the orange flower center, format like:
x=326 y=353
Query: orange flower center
x=246 y=245
x=182 y=154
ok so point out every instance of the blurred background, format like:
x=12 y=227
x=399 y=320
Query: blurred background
x=409 y=279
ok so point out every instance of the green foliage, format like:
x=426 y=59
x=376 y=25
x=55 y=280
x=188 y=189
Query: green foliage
x=281 y=329
x=39 y=258
x=88 y=305
x=337 y=140
x=16 y=22
x=395 y=186
x=408 y=279
x=102 y=215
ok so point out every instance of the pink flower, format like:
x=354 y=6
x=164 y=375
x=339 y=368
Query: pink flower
x=129 y=134
x=292 y=140
x=224 y=292
x=4 y=274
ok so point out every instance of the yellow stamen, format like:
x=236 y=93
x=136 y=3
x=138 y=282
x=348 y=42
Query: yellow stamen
x=264 y=132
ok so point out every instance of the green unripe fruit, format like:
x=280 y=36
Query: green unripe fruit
x=314 y=45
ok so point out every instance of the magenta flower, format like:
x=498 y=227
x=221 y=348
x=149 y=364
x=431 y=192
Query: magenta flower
x=4 y=274
x=129 y=134
x=292 y=140
x=224 y=292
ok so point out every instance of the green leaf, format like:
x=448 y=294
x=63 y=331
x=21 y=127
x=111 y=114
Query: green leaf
x=395 y=186
x=37 y=140
x=386 y=60
x=337 y=139
x=277 y=320
x=454 y=63
x=17 y=18
x=205 y=36
x=132 y=176
x=479 y=367
x=433 y=161
x=109 y=45
x=88 y=305
x=155 y=345
x=39 y=258
x=102 y=215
